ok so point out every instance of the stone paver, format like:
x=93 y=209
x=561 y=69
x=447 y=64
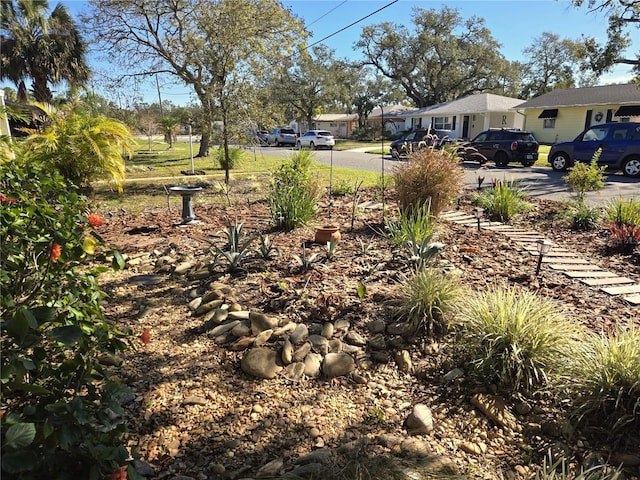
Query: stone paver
x=597 y=282
x=571 y=264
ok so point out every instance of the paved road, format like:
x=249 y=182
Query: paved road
x=541 y=182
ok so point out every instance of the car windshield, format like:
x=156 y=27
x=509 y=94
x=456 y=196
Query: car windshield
x=525 y=137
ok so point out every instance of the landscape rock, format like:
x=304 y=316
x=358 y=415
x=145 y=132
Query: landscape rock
x=337 y=365
x=260 y=362
x=420 y=420
x=260 y=322
x=312 y=362
x=495 y=409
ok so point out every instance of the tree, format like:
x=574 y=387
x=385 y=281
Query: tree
x=623 y=15
x=433 y=64
x=219 y=48
x=47 y=50
x=552 y=63
x=315 y=80
x=170 y=127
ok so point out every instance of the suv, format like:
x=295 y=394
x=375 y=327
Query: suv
x=282 y=136
x=504 y=146
x=416 y=141
x=618 y=143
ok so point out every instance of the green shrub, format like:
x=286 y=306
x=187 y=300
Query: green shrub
x=230 y=162
x=559 y=470
x=514 y=337
x=416 y=224
x=294 y=193
x=503 y=201
x=429 y=175
x=582 y=217
x=62 y=412
x=586 y=177
x=429 y=298
x=342 y=187
x=603 y=376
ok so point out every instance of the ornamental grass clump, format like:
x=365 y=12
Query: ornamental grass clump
x=429 y=175
x=514 y=337
x=294 y=193
x=429 y=299
x=416 y=224
x=603 y=381
x=506 y=199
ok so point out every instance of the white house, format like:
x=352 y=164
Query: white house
x=468 y=116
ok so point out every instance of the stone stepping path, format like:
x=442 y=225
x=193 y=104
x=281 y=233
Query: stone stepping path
x=558 y=258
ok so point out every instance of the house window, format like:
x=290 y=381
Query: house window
x=549 y=123
x=441 y=123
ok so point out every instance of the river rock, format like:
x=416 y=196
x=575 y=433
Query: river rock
x=300 y=354
x=300 y=334
x=403 y=360
x=420 y=421
x=495 y=409
x=271 y=469
x=260 y=322
x=294 y=371
x=337 y=365
x=260 y=362
x=287 y=352
x=354 y=338
x=327 y=330
x=312 y=364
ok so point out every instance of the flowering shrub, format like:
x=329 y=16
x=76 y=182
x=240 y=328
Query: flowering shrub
x=62 y=412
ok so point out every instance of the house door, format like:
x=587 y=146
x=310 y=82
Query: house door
x=465 y=126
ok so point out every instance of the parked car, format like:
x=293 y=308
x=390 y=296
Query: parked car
x=316 y=139
x=262 y=137
x=503 y=146
x=618 y=143
x=419 y=139
x=282 y=136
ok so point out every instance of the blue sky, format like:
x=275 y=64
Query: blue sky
x=513 y=23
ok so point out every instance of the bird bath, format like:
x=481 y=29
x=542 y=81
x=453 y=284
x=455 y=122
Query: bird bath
x=188 y=217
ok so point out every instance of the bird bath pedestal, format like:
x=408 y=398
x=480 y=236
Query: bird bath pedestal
x=188 y=217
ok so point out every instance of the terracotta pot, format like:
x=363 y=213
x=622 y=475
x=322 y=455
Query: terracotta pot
x=326 y=233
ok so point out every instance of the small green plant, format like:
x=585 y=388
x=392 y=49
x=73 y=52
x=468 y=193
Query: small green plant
x=583 y=217
x=365 y=247
x=294 y=194
x=603 y=376
x=586 y=177
x=375 y=416
x=232 y=160
x=266 y=249
x=307 y=262
x=331 y=249
x=421 y=252
x=430 y=175
x=415 y=224
x=428 y=300
x=236 y=252
x=515 y=337
x=342 y=187
x=503 y=201
x=559 y=470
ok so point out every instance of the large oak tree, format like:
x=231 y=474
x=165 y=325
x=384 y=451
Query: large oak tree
x=219 y=48
x=443 y=58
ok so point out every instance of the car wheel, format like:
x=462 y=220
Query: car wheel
x=501 y=159
x=298 y=145
x=631 y=167
x=395 y=154
x=312 y=146
x=560 y=161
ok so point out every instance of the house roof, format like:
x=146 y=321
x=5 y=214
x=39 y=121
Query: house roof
x=478 y=103
x=390 y=111
x=335 y=117
x=577 y=97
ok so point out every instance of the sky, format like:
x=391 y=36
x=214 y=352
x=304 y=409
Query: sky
x=513 y=23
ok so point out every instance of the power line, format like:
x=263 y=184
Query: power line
x=348 y=26
x=334 y=8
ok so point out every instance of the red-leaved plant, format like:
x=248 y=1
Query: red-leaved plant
x=624 y=235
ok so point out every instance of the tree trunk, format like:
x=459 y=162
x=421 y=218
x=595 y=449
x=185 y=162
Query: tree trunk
x=203 y=151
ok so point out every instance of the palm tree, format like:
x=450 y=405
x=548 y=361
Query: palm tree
x=170 y=126
x=47 y=50
x=81 y=146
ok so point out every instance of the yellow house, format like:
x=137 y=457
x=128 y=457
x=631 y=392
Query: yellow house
x=561 y=115
x=340 y=124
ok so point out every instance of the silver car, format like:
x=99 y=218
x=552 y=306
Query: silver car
x=282 y=136
x=316 y=139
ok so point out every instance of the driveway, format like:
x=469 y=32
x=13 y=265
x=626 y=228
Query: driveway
x=541 y=182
